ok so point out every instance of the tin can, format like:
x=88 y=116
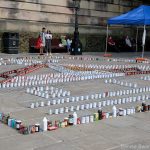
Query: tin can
x=110 y=94
x=63 y=124
x=114 y=93
x=5 y=118
x=123 y=100
x=82 y=107
x=108 y=102
x=56 y=111
x=9 y=122
x=66 y=121
x=96 y=116
x=131 y=111
x=103 y=103
x=56 y=123
x=145 y=108
x=91 y=105
x=124 y=92
x=42 y=104
x=130 y=91
x=104 y=95
x=119 y=101
x=147 y=97
x=73 y=99
x=139 y=98
x=128 y=111
x=83 y=120
x=115 y=101
x=94 y=105
x=77 y=99
x=134 y=99
x=13 y=123
x=91 y=118
x=67 y=100
x=96 y=96
x=103 y=115
x=58 y=101
x=92 y=96
x=134 y=91
x=87 y=106
x=54 y=102
x=87 y=119
x=59 y=123
x=48 y=103
x=71 y=120
x=37 y=127
x=50 y=112
x=118 y=93
x=62 y=101
x=82 y=98
x=49 y=123
x=77 y=108
x=32 y=105
x=78 y=121
x=121 y=111
x=112 y=102
x=107 y=115
x=61 y=110
x=100 y=96
x=121 y=93
x=18 y=124
x=25 y=131
x=143 y=97
x=72 y=108
x=66 y=109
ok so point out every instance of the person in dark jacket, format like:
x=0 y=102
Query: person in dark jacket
x=48 y=37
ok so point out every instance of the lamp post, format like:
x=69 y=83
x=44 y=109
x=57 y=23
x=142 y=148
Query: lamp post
x=76 y=48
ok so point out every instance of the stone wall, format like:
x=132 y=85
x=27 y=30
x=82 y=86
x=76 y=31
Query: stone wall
x=28 y=17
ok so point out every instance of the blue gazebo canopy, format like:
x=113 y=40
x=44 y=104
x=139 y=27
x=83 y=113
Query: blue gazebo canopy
x=137 y=16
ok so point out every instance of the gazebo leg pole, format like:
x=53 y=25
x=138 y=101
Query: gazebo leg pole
x=106 y=40
x=143 y=40
x=137 y=31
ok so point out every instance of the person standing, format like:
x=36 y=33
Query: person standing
x=42 y=36
x=128 y=43
x=48 y=37
x=112 y=45
x=69 y=42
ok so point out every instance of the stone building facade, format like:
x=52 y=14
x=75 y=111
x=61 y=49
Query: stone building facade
x=28 y=17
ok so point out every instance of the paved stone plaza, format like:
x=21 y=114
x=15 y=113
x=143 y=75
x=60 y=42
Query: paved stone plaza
x=131 y=132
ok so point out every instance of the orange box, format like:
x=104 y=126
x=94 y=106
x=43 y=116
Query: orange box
x=107 y=55
x=141 y=59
